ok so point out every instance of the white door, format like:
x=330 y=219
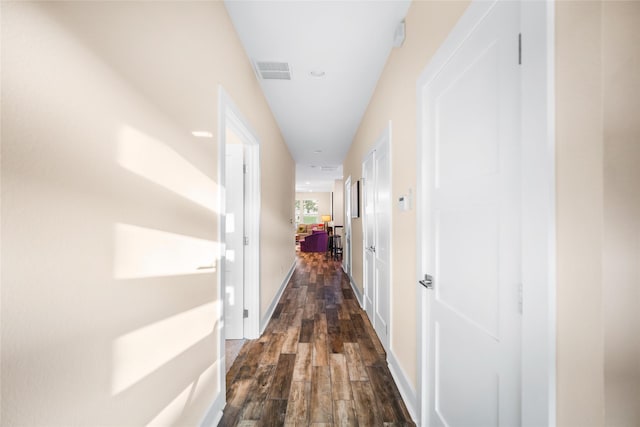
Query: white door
x=234 y=238
x=368 y=221
x=346 y=263
x=376 y=173
x=471 y=132
x=382 y=234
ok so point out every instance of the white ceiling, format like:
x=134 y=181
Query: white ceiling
x=349 y=41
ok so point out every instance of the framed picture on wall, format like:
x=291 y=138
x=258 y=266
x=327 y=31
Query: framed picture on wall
x=355 y=199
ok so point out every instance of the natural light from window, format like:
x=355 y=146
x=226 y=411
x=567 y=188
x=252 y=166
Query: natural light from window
x=155 y=161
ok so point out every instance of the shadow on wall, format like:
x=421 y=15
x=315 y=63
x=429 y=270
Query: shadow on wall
x=107 y=316
x=143 y=359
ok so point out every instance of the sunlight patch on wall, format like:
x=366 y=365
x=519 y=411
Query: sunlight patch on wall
x=139 y=353
x=170 y=415
x=153 y=160
x=146 y=252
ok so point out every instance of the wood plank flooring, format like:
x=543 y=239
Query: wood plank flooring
x=318 y=363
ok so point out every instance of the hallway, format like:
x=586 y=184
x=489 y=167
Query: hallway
x=319 y=361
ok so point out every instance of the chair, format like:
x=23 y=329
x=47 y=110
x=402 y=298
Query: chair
x=316 y=242
x=337 y=247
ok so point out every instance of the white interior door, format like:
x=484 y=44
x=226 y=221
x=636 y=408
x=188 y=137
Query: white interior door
x=382 y=238
x=471 y=132
x=368 y=220
x=234 y=237
x=346 y=263
x=376 y=171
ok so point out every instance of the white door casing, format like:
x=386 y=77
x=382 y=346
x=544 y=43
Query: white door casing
x=472 y=137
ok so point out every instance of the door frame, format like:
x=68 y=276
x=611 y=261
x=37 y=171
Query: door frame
x=384 y=138
x=538 y=374
x=230 y=117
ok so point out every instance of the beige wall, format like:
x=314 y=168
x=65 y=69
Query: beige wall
x=579 y=214
x=598 y=213
x=323 y=198
x=621 y=238
x=338 y=202
x=427 y=25
x=104 y=319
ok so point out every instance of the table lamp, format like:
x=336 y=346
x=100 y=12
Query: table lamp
x=326 y=219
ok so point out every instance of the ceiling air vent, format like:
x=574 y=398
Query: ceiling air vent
x=329 y=168
x=273 y=70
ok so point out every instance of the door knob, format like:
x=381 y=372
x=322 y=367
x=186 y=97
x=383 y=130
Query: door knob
x=427 y=282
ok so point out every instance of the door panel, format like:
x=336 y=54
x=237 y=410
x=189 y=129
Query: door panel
x=368 y=208
x=234 y=238
x=466 y=391
x=346 y=263
x=382 y=239
x=472 y=129
x=468 y=278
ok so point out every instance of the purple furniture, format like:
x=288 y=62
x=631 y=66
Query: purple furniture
x=316 y=242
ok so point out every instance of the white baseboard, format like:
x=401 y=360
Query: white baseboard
x=214 y=414
x=356 y=291
x=265 y=319
x=404 y=386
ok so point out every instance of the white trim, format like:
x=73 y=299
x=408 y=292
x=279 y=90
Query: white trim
x=356 y=291
x=214 y=414
x=407 y=392
x=538 y=210
x=538 y=177
x=267 y=316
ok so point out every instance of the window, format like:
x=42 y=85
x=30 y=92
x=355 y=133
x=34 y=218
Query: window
x=306 y=211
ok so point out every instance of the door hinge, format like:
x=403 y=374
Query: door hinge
x=245 y=313
x=246 y=241
x=244 y=168
x=519 y=48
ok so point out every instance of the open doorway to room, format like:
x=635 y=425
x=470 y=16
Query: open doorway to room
x=239 y=229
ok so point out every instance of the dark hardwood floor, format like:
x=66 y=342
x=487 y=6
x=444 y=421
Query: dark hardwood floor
x=318 y=363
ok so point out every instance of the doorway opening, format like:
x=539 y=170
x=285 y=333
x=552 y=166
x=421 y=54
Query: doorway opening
x=239 y=234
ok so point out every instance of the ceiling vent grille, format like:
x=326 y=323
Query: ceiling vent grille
x=273 y=70
x=329 y=168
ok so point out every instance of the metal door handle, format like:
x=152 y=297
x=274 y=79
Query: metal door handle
x=427 y=282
